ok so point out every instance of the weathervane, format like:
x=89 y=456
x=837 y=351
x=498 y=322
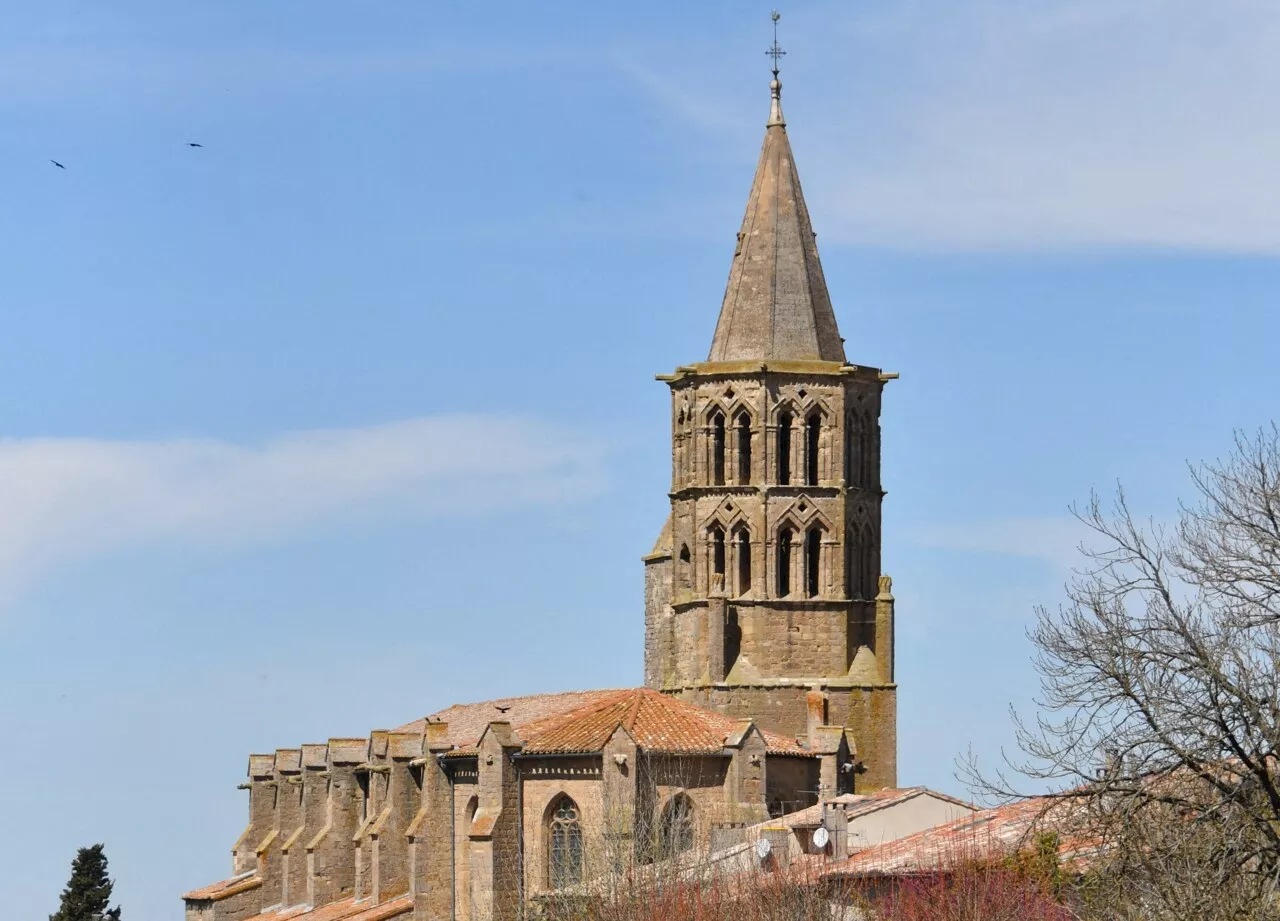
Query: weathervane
x=775 y=88
x=776 y=51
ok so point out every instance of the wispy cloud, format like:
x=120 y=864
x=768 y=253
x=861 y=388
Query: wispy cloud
x=66 y=498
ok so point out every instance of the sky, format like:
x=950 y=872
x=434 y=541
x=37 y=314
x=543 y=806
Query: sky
x=350 y=413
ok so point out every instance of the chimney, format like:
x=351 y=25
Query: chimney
x=816 y=707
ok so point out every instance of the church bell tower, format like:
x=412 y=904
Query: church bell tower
x=763 y=595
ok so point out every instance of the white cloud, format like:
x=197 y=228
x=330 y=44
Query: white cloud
x=65 y=498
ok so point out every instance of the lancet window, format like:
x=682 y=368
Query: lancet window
x=784 y=448
x=717 y=449
x=743 y=542
x=785 y=538
x=812 y=445
x=743 y=426
x=813 y=562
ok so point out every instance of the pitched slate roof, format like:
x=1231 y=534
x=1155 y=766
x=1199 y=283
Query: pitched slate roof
x=657 y=723
x=776 y=303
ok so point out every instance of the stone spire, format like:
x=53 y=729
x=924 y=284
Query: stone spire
x=776 y=304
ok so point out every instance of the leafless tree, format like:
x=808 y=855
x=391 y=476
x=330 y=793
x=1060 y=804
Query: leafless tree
x=1160 y=696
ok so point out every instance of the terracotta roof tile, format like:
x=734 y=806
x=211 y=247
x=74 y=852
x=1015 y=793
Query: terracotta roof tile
x=657 y=722
x=225 y=889
x=467 y=722
x=582 y=721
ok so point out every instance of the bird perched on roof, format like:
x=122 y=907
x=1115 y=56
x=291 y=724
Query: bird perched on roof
x=57 y=164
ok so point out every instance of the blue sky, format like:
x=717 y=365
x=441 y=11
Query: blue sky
x=273 y=405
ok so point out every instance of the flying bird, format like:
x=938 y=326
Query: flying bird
x=57 y=164
x=501 y=709
x=193 y=144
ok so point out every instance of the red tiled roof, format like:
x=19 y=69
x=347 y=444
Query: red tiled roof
x=582 y=721
x=657 y=722
x=985 y=834
x=226 y=888
x=345 y=910
x=467 y=722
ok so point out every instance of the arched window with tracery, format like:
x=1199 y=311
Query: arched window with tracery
x=564 y=844
x=784 y=448
x=812 y=447
x=784 y=562
x=675 y=831
x=717 y=449
x=743 y=425
x=813 y=562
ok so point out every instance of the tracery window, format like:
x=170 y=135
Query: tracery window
x=744 y=561
x=676 y=828
x=564 y=844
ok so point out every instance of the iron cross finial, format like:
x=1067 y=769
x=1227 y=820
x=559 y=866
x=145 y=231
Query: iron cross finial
x=776 y=51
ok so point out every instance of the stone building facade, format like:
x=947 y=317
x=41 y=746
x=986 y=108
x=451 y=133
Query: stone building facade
x=769 y=682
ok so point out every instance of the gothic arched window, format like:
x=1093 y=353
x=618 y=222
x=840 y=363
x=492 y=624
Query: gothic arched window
x=675 y=831
x=744 y=560
x=744 y=448
x=813 y=562
x=717 y=449
x=784 y=449
x=867 y=471
x=784 y=562
x=564 y=844
x=718 y=553
x=812 y=442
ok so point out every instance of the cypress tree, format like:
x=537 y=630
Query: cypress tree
x=89 y=889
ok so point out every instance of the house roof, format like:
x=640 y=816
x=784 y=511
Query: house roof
x=583 y=721
x=856 y=805
x=657 y=722
x=984 y=834
x=225 y=889
x=467 y=722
